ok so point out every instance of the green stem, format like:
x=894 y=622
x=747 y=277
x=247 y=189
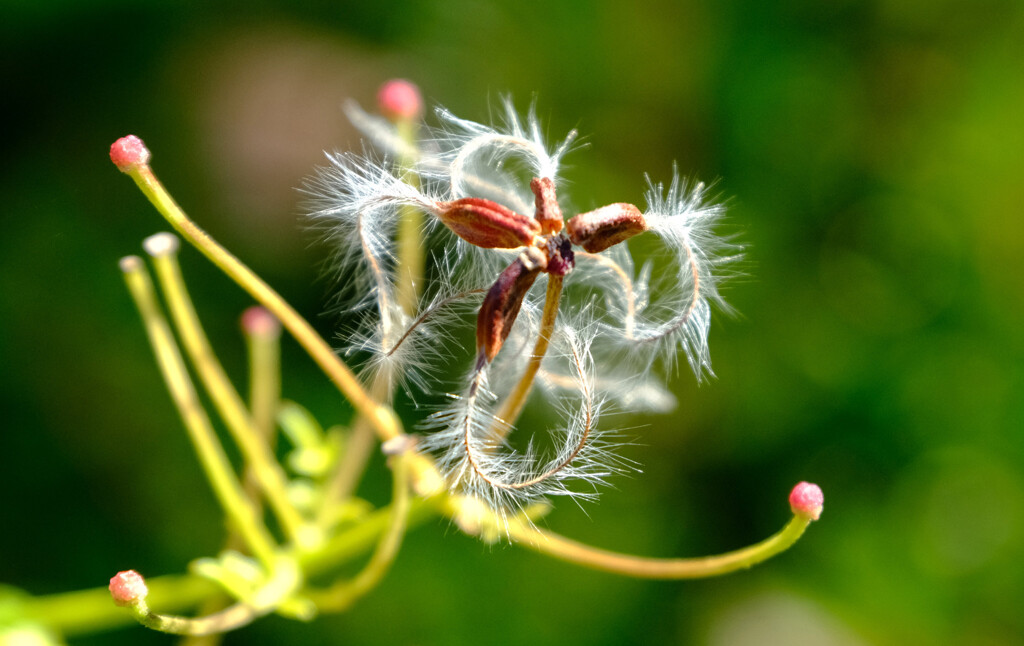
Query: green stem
x=572 y=551
x=229 y=404
x=343 y=594
x=409 y=271
x=90 y=611
x=383 y=419
x=410 y=266
x=516 y=400
x=239 y=509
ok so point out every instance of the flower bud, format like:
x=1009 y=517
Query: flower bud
x=128 y=587
x=501 y=305
x=129 y=152
x=549 y=214
x=488 y=224
x=399 y=99
x=807 y=500
x=258 y=321
x=607 y=226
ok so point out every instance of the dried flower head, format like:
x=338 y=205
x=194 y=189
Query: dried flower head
x=494 y=191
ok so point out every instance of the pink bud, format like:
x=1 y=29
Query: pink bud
x=128 y=587
x=128 y=153
x=399 y=99
x=807 y=500
x=257 y=321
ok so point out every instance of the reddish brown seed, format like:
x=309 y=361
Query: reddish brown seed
x=501 y=305
x=549 y=214
x=488 y=224
x=607 y=226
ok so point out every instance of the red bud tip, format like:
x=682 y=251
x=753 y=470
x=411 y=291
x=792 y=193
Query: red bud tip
x=128 y=587
x=807 y=500
x=257 y=321
x=399 y=99
x=129 y=152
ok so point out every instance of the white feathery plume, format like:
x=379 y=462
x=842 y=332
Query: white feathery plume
x=675 y=313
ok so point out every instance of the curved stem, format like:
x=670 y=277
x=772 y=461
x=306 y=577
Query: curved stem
x=344 y=593
x=572 y=551
x=90 y=611
x=516 y=400
x=231 y=618
x=226 y=486
x=383 y=419
x=352 y=464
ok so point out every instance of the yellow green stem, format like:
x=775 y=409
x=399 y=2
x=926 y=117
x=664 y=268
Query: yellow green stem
x=572 y=551
x=410 y=266
x=238 y=507
x=383 y=419
x=516 y=400
x=90 y=611
x=256 y=451
x=409 y=271
x=343 y=594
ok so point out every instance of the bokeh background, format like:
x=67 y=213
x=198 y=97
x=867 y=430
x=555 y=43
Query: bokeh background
x=871 y=154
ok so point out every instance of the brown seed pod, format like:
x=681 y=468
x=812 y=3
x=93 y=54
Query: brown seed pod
x=488 y=224
x=605 y=227
x=549 y=214
x=501 y=305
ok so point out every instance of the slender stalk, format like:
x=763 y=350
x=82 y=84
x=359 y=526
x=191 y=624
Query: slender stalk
x=262 y=334
x=572 y=551
x=285 y=577
x=384 y=421
x=352 y=464
x=256 y=451
x=238 y=507
x=410 y=231
x=516 y=400
x=264 y=349
x=90 y=611
x=409 y=271
x=231 y=618
x=343 y=594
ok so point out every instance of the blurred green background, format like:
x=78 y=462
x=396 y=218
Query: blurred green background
x=871 y=154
